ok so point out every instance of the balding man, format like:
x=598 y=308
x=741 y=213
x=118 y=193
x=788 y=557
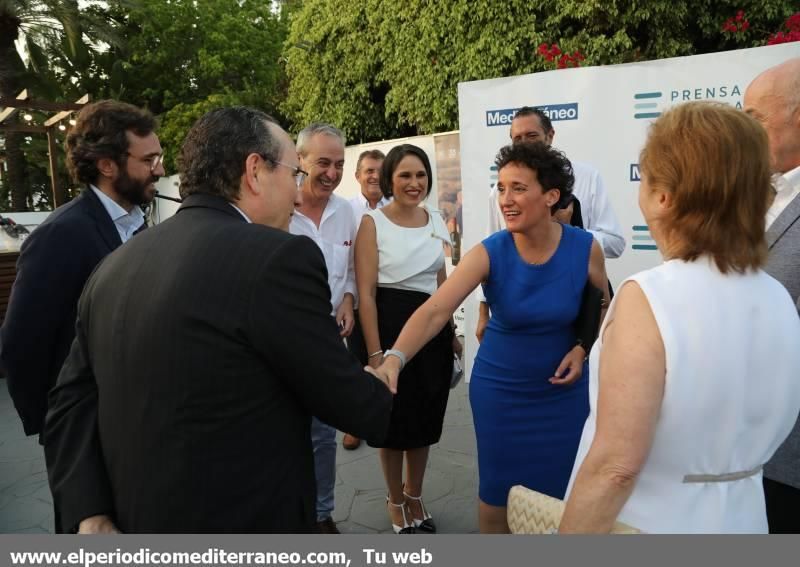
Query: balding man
x=773 y=98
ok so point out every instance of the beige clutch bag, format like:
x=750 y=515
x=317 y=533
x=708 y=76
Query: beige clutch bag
x=531 y=512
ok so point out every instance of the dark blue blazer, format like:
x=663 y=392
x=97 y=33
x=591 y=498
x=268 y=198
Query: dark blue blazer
x=54 y=263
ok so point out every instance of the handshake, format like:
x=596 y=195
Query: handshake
x=388 y=368
x=388 y=372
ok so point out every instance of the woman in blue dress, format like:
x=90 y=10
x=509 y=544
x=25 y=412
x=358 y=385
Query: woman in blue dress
x=528 y=389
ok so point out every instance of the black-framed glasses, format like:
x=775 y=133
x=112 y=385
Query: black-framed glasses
x=299 y=174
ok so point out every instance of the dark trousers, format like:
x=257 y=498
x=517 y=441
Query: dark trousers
x=783 y=507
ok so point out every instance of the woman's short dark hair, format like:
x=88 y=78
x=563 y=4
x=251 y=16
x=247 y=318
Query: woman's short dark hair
x=212 y=158
x=553 y=169
x=101 y=132
x=394 y=157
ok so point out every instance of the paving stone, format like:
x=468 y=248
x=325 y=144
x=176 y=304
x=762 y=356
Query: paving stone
x=14 y=472
x=343 y=498
x=455 y=514
x=33 y=530
x=369 y=509
x=344 y=456
x=24 y=449
x=23 y=513
x=353 y=528
x=459 y=439
x=43 y=494
x=363 y=474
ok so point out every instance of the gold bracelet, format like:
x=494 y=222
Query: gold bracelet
x=374 y=354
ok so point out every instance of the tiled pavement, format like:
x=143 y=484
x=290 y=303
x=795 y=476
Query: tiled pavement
x=450 y=488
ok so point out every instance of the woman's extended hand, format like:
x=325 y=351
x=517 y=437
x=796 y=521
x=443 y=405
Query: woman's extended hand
x=571 y=367
x=389 y=371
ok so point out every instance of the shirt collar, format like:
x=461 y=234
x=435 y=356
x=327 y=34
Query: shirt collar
x=241 y=212
x=115 y=211
x=333 y=204
x=365 y=202
x=787 y=181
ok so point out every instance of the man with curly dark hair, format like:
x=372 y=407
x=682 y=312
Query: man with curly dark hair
x=112 y=150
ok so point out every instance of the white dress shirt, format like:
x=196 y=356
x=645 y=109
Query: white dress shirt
x=360 y=206
x=335 y=237
x=787 y=187
x=598 y=216
x=125 y=222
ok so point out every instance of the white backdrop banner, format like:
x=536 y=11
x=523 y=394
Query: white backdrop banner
x=600 y=116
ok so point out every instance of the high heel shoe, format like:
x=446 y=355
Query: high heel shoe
x=426 y=523
x=406 y=528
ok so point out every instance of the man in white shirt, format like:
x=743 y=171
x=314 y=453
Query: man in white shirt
x=773 y=98
x=533 y=125
x=328 y=220
x=368 y=175
x=114 y=152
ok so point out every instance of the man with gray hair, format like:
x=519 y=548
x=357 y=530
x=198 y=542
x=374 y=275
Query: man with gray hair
x=328 y=220
x=773 y=98
x=224 y=305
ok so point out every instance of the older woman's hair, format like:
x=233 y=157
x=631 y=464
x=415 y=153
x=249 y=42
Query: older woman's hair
x=714 y=160
x=393 y=159
x=553 y=169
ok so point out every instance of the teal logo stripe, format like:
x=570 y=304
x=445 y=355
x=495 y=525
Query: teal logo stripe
x=639 y=96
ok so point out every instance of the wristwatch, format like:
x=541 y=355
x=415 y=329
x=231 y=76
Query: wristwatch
x=398 y=354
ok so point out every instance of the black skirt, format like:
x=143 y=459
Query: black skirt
x=424 y=384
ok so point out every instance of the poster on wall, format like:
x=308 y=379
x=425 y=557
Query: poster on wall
x=600 y=116
x=448 y=180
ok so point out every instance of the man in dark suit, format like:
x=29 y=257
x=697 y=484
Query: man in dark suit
x=195 y=343
x=114 y=151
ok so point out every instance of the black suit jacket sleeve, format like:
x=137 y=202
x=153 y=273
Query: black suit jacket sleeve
x=292 y=326
x=75 y=465
x=50 y=276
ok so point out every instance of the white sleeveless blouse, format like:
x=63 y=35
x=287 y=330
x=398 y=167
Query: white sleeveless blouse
x=410 y=258
x=731 y=396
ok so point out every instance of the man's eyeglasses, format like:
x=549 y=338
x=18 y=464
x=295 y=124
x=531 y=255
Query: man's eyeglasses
x=299 y=174
x=153 y=161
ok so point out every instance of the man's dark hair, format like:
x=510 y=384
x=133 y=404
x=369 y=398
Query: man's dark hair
x=100 y=132
x=377 y=155
x=212 y=158
x=544 y=120
x=394 y=157
x=553 y=169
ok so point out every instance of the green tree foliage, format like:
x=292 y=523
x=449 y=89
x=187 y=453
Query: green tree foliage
x=377 y=68
x=184 y=57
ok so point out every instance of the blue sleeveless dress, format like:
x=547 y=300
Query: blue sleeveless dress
x=527 y=429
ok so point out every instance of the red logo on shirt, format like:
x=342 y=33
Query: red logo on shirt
x=348 y=243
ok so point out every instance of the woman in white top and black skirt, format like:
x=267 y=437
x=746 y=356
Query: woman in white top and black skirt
x=399 y=260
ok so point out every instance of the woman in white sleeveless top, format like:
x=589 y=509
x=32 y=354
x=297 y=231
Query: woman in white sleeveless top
x=399 y=264
x=695 y=380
